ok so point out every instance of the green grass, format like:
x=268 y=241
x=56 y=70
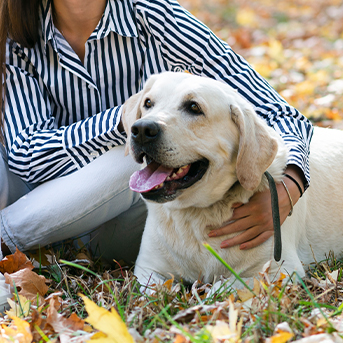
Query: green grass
x=186 y=309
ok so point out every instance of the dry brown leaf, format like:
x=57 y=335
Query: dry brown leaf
x=41 y=256
x=65 y=327
x=30 y=284
x=244 y=294
x=39 y=324
x=17 y=261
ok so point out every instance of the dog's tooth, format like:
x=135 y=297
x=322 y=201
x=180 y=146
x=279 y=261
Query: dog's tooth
x=174 y=176
x=168 y=178
x=159 y=186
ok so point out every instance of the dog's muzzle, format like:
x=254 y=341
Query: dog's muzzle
x=157 y=181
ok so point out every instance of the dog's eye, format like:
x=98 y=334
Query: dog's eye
x=195 y=108
x=148 y=103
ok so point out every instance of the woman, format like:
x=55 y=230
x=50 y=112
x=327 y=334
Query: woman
x=70 y=65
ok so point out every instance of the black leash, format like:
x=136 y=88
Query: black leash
x=276 y=217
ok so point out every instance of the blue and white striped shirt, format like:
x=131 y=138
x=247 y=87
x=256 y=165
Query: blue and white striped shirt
x=61 y=113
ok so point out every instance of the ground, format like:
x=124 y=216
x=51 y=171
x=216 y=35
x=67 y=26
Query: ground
x=66 y=295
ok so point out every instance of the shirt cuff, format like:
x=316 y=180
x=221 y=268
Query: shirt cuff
x=298 y=154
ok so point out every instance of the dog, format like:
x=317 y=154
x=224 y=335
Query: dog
x=203 y=148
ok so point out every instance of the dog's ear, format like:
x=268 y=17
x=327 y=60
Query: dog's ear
x=131 y=112
x=257 y=149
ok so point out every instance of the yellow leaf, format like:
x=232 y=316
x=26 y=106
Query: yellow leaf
x=264 y=68
x=99 y=335
x=246 y=17
x=19 y=331
x=169 y=283
x=108 y=322
x=230 y=332
x=305 y=88
x=281 y=337
x=321 y=322
x=19 y=308
x=275 y=50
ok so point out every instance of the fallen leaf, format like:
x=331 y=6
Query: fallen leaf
x=244 y=294
x=169 y=283
x=19 y=307
x=13 y=263
x=246 y=17
x=180 y=339
x=230 y=332
x=320 y=338
x=108 y=322
x=31 y=284
x=42 y=256
x=221 y=331
x=63 y=326
x=19 y=332
x=281 y=337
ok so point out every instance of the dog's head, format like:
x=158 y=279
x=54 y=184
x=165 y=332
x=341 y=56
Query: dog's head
x=197 y=137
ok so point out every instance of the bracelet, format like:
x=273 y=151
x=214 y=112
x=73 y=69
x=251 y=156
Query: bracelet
x=297 y=183
x=290 y=199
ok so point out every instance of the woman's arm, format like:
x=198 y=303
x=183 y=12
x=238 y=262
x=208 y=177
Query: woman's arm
x=187 y=44
x=38 y=150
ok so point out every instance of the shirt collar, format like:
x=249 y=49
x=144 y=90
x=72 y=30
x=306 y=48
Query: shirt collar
x=118 y=16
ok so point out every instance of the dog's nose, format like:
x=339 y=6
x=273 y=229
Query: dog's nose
x=145 y=131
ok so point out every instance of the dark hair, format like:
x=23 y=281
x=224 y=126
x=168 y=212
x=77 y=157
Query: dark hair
x=18 y=21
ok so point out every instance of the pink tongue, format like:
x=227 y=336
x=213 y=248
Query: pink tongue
x=151 y=176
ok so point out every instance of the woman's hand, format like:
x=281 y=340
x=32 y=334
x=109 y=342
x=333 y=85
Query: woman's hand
x=255 y=217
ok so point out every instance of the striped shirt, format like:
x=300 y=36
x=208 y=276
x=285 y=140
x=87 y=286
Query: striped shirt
x=62 y=113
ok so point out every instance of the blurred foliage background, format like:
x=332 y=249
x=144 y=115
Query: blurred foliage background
x=297 y=45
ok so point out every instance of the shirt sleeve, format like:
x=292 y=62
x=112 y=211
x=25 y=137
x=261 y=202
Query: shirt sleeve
x=189 y=45
x=37 y=149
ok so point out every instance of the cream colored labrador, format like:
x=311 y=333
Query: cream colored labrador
x=204 y=148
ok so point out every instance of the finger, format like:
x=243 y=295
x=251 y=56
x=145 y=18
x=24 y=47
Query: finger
x=256 y=241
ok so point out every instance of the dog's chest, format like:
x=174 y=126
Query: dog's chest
x=181 y=236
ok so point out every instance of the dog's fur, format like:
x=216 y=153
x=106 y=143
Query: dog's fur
x=240 y=147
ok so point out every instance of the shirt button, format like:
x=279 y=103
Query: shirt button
x=94 y=154
x=90 y=86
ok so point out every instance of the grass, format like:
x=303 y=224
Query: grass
x=174 y=311
x=282 y=32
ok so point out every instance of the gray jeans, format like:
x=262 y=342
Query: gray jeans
x=95 y=200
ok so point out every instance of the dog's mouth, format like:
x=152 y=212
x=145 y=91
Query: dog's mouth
x=156 y=180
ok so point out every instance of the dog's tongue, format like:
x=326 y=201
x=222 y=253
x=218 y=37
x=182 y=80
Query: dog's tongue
x=151 y=176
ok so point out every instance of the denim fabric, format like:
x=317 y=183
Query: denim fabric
x=73 y=205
